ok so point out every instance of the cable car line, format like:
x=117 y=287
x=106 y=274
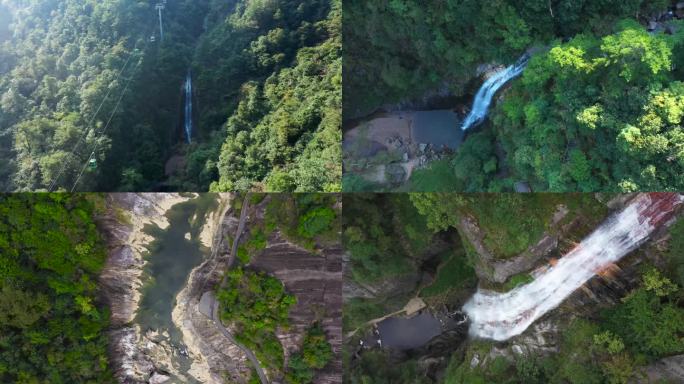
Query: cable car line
x=134 y=51
x=111 y=117
x=54 y=182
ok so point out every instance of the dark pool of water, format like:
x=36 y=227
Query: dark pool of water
x=439 y=128
x=408 y=333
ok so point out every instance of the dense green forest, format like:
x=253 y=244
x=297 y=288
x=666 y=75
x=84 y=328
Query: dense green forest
x=84 y=80
x=284 y=124
x=599 y=108
x=51 y=323
x=599 y=114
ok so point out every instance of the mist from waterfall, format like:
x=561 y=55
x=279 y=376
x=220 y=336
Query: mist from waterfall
x=486 y=93
x=499 y=316
x=188 y=108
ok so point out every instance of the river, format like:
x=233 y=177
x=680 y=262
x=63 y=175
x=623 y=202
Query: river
x=174 y=252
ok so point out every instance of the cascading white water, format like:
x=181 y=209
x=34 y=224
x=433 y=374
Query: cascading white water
x=486 y=93
x=500 y=316
x=188 y=107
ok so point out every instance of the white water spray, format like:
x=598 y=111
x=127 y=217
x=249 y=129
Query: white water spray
x=500 y=316
x=188 y=107
x=486 y=93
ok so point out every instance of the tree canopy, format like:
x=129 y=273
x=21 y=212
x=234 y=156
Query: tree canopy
x=51 y=323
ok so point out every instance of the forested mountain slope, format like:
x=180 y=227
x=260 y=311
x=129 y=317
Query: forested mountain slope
x=399 y=49
x=65 y=64
x=282 y=109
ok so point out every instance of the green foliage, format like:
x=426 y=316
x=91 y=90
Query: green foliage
x=518 y=279
x=257 y=242
x=675 y=252
x=579 y=130
x=384 y=235
x=453 y=274
x=400 y=49
x=315 y=354
x=52 y=329
x=439 y=176
x=648 y=322
x=316 y=221
x=510 y=222
x=243 y=255
x=307 y=219
x=256 y=305
x=268 y=81
x=61 y=62
x=375 y=367
x=282 y=126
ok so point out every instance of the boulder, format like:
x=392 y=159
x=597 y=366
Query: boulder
x=422 y=147
x=158 y=378
x=395 y=173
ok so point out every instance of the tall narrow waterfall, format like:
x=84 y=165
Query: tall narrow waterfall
x=500 y=316
x=188 y=107
x=486 y=93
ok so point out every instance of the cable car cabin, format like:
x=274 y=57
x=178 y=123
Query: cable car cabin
x=153 y=38
x=92 y=164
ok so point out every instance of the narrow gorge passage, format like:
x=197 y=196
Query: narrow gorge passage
x=175 y=251
x=500 y=316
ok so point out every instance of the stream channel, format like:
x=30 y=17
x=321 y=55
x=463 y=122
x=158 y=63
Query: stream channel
x=174 y=252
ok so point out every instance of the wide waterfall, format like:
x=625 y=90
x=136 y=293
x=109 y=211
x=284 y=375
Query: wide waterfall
x=486 y=93
x=500 y=316
x=188 y=107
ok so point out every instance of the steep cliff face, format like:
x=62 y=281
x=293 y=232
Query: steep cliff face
x=120 y=281
x=564 y=229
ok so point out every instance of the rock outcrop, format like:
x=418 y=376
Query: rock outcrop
x=214 y=356
x=316 y=280
x=492 y=269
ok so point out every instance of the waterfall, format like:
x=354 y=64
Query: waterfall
x=188 y=107
x=486 y=93
x=500 y=316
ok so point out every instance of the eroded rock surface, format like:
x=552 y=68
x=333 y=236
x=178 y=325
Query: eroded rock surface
x=316 y=280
